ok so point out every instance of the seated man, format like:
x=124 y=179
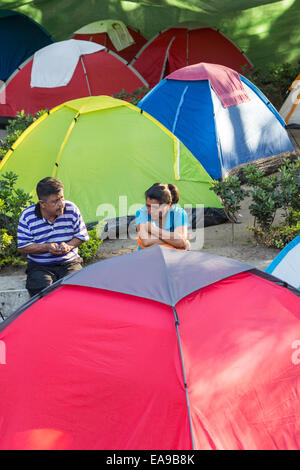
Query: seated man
x=50 y=233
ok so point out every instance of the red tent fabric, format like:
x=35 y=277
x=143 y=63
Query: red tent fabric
x=100 y=73
x=185 y=45
x=154 y=362
x=103 y=38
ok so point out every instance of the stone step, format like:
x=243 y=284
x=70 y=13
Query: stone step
x=12 y=294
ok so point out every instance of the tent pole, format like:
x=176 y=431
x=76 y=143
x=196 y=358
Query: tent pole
x=166 y=58
x=187 y=47
x=184 y=376
x=86 y=77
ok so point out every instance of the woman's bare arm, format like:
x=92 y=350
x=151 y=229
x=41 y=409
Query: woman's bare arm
x=150 y=234
x=178 y=238
x=146 y=236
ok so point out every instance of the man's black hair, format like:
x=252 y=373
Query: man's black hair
x=48 y=186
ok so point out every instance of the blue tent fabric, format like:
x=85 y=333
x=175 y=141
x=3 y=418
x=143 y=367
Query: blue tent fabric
x=220 y=138
x=180 y=97
x=248 y=132
x=20 y=38
x=286 y=265
x=263 y=98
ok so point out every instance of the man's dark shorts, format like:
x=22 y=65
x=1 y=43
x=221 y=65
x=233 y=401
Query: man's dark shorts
x=40 y=276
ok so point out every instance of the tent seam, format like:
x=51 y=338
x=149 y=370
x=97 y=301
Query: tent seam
x=177 y=323
x=71 y=127
x=171 y=294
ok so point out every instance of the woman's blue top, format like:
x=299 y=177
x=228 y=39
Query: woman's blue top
x=176 y=217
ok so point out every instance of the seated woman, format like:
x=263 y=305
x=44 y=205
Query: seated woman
x=160 y=220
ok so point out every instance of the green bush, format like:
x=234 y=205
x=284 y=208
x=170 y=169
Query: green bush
x=12 y=202
x=15 y=128
x=5 y=241
x=289 y=184
x=274 y=80
x=269 y=194
x=266 y=197
x=88 y=250
x=134 y=97
x=9 y=255
x=280 y=235
x=231 y=194
x=273 y=192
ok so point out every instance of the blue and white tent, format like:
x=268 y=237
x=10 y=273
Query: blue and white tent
x=286 y=265
x=221 y=117
x=20 y=38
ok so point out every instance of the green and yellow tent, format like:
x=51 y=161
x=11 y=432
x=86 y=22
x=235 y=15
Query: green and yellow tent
x=102 y=149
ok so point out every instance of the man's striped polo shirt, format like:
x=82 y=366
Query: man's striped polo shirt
x=34 y=228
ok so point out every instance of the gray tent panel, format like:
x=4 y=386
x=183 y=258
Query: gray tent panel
x=189 y=271
x=140 y=273
x=157 y=273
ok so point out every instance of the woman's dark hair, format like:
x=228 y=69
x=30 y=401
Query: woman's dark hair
x=163 y=193
x=48 y=186
x=174 y=192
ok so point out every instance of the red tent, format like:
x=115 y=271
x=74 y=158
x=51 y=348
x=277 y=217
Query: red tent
x=186 y=44
x=158 y=349
x=96 y=73
x=91 y=33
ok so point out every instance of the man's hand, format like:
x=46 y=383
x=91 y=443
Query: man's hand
x=61 y=249
x=65 y=248
x=53 y=248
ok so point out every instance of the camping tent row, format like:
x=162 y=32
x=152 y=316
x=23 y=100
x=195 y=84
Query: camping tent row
x=221 y=117
x=246 y=21
x=64 y=71
x=22 y=36
x=145 y=150
x=151 y=350
x=172 y=49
